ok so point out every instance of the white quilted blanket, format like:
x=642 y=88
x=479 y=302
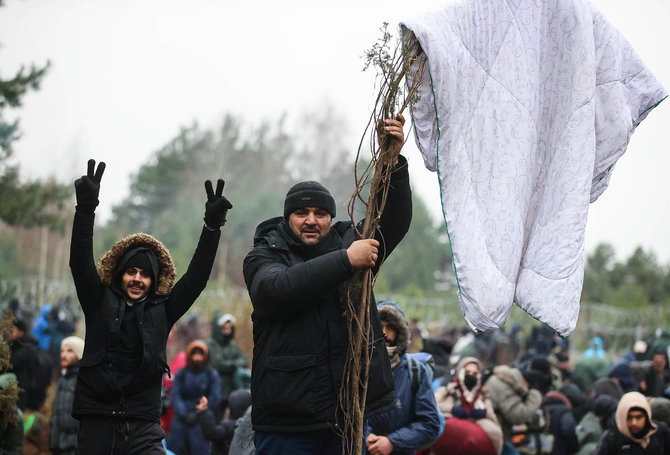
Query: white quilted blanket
x=525 y=110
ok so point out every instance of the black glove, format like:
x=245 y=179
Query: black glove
x=478 y=414
x=460 y=412
x=217 y=206
x=87 y=187
x=190 y=418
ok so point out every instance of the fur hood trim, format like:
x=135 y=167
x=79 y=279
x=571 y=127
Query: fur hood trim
x=108 y=262
x=391 y=313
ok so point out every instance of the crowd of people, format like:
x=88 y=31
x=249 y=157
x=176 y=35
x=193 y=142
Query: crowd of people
x=496 y=393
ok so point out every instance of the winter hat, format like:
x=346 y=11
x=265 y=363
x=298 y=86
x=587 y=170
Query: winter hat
x=576 y=396
x=77 y=345
x=607 y=386
x=640 y=347
x=308 y=194
x=624 y=374
x=141 y=258
x=660 y=409
x=226 y=318
x=604 y=406
x=535 y=379
x=542 y=365
x=238 y=402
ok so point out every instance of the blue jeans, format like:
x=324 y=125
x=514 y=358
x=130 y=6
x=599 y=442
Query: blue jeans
x=320 y=442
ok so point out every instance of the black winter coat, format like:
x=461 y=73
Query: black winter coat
x=23 y=358
x=64 y=427
x=98 y=390
x=300 y=334
x=562 y=426
x=615 y=443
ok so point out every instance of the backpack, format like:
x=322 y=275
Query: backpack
x=414 y=362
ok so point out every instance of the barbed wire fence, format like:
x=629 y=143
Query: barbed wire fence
x=619 y=327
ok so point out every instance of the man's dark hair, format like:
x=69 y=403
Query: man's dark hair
x=20 y=324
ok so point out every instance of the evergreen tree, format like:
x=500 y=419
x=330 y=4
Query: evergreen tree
x=33 y=203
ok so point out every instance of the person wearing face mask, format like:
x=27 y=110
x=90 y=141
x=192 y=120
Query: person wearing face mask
x=466 y=399
x=414 y=422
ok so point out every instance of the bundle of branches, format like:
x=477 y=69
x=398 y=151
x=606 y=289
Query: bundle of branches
x=398 y=77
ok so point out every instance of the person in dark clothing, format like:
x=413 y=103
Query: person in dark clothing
x=226 y=357
x=561 y=423
x=195 y=380
x=221 y=434
x=658 y=378
x=635 y=432
x=415 y=421
x=297 y=274
x=64 y=428
x=130 y=304
x=23 y=358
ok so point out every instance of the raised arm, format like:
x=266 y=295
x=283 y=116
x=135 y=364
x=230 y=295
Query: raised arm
x=82 y=264
x=192 y=283
x=397 y=215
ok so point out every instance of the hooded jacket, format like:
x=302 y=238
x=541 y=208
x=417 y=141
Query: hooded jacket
x=300 y=332
x=619 y=440
x=513 y=402
x=561 y=423
x=99 y=390
x=414 y=422
x=191 y=383
x=225 y=356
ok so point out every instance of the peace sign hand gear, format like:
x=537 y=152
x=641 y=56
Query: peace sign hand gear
x=87 y=187
x=217 y=206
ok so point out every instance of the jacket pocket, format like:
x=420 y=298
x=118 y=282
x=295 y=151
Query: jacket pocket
x=291 y=380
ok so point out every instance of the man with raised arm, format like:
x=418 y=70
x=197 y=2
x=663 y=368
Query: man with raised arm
x=130 y=302
x=297 y=275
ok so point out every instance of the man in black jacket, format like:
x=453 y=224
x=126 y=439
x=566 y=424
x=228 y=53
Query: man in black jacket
x=130 y=304
x=296 y=275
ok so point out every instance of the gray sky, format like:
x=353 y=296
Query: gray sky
x=127 y=74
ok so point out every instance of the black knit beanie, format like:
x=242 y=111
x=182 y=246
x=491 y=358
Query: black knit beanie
x=308 y=194
x=142 y=258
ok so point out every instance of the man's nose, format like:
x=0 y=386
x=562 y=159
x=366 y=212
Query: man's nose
x=311 y=219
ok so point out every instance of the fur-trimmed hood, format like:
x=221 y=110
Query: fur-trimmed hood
x=391 y=313
x=108 y=262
